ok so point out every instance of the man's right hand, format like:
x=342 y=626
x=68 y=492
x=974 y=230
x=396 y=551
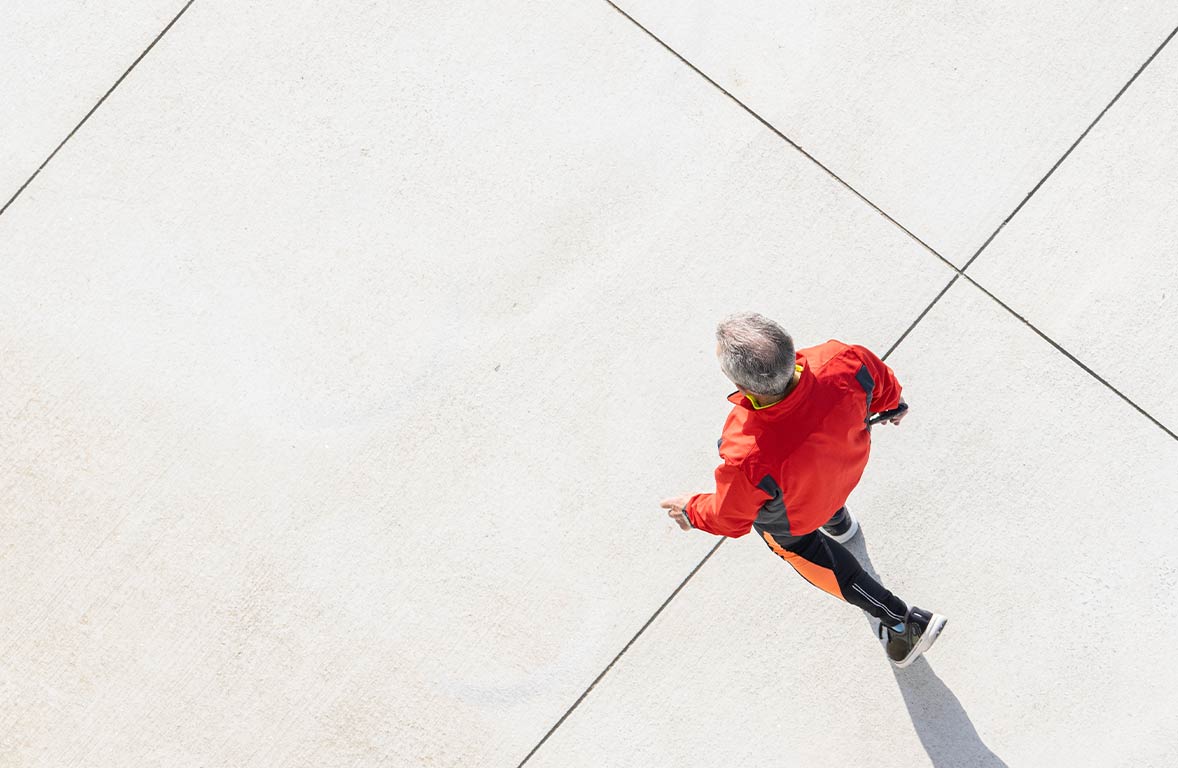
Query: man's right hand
x=675 y=507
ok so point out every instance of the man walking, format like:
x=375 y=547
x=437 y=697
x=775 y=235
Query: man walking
x=794 y=447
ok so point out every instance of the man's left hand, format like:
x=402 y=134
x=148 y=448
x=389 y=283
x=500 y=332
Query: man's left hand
x=899 y=416
x=676 y=509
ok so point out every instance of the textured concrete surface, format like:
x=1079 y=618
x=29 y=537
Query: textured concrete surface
x=58 y=58
x=345 y=352
x=945 y=114
x=1103 y=234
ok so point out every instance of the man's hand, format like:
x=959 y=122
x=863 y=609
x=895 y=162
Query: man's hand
x=899 y=416
x=674 y=506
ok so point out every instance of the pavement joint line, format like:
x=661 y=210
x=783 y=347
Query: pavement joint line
x=783 y=137
x=1056 y=345
x=622 y=652
x=920 y=317
x=1075 y=144
x=1059 y=348
x=93 y=109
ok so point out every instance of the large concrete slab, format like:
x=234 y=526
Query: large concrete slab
x=1092 y=260
x=344 y=358
x=1042 y=531
x=944 y=114
x=58 y=58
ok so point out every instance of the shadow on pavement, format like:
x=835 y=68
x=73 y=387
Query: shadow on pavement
x=942 y=724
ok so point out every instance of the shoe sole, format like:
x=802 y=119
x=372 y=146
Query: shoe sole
x=847 y=536
x=935 y=625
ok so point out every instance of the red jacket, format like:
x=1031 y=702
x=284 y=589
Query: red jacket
x=790 y=466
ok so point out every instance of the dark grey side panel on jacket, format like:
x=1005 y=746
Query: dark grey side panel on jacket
x=863 y=376
x=772 y=518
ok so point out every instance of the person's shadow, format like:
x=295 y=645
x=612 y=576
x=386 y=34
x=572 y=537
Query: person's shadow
x=944 y=728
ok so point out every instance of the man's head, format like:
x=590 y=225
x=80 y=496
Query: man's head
x=755 y=353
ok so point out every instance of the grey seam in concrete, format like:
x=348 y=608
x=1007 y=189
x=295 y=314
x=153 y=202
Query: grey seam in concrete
x=1071 y=357
x=920 y=317
x=93 y=109
x=1063 y=157
x=1059 y=347
x=781 y=135
x=960 y=271
x=622 y=652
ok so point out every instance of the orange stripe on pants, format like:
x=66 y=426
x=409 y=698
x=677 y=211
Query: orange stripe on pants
x=823 y=578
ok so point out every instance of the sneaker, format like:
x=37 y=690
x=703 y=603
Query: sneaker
x=842 y=526
x=921 y=629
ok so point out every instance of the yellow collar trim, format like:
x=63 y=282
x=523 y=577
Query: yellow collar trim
x=758 y=407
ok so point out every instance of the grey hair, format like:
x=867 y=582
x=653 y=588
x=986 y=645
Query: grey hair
x=756 y=353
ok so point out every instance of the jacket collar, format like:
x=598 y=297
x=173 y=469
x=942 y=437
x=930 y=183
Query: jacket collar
x=791 y=403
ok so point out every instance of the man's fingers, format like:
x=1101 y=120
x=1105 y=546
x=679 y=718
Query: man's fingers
x=676 y=507
x=679 y=515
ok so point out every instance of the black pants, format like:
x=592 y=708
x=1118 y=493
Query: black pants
x=828 y=565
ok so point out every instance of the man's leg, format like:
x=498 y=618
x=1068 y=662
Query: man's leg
x=829 y=566
x=842 y=527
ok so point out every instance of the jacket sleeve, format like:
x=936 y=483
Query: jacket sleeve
x=886 y=394
x=731 y=510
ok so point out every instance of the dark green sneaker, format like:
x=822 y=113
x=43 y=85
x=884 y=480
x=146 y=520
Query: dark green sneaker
x=921 y=629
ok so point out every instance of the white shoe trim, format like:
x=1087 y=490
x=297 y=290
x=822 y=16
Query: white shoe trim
x=935 y=625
